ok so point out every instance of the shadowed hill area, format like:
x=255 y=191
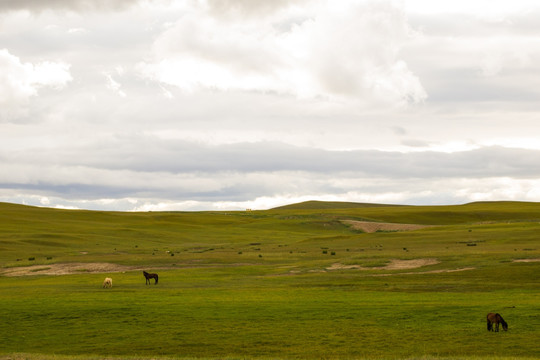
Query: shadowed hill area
x=314 y=205
x=476 y=212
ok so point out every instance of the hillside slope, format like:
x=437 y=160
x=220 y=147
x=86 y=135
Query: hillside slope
x=321 y=205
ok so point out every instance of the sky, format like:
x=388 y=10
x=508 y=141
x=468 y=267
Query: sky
x=157 y=105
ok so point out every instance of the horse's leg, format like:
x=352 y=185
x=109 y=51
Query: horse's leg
x=496 y=327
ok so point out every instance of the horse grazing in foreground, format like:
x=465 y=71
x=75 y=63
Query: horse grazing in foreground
x=107 y=283
x=496 y=319
x=150 y=276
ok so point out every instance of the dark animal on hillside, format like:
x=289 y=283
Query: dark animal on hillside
x=150 y=276
x=495 y=319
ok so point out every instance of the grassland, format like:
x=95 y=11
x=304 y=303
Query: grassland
x=265 y=285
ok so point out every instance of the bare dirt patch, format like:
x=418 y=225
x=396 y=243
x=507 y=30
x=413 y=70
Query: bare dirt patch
x=526 y=260
x=66 y=269
x=97 y=268
x=371 y=227
x=395 y=264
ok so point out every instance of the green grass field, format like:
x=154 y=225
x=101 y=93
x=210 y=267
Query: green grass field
x=265 y=284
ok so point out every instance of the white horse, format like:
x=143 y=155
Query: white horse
x=107 y=283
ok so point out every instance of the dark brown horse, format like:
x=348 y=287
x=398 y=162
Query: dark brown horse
x=495 y=319
x=150 y=276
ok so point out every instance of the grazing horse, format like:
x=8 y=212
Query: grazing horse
x=150 y=276
x=107 y=283
x=495 y=319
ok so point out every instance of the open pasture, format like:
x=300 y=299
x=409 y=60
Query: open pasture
x=289 y=283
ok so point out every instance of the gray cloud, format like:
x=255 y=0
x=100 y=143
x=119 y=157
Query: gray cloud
x=249 y=7
x=147 y=155
x=173 y=171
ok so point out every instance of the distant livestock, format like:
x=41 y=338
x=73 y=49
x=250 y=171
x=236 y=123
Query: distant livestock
x=495 y=319
x=107 y=283
x=150 y=276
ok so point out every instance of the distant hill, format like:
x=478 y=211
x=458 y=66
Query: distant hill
x=314 y=205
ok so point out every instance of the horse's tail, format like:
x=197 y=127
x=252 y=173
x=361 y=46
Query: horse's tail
x=157 y=277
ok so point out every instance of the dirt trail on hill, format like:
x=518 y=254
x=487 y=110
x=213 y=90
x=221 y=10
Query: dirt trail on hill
x=371 y=227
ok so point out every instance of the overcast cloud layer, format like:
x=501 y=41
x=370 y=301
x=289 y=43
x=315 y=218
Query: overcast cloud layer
x=234 y=104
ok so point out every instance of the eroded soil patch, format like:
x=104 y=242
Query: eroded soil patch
x=371 y=227
x=66 y=269
x=97 y=268
x=395 y=264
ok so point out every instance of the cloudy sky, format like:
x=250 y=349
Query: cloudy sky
x=234 y=104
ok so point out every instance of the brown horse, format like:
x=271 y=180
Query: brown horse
x=495 y=319
x=150 y=276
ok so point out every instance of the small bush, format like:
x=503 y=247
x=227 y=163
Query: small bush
x=31 y=258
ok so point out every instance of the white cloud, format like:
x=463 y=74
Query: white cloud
x=349 y=52
x=114 y=85
x=21 y=81
x=500 y=53
x=77 y=31
x=490 y=9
